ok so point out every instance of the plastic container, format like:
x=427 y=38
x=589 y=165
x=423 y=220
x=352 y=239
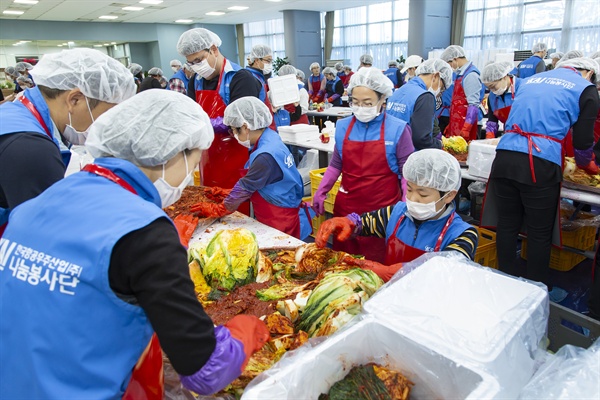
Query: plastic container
x=311 y=370
x=316 y=176
x=470 y=314
x=283 y=90
x=481 y=157
x=486 y=249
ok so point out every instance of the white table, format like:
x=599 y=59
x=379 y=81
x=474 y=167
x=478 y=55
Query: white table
x=268 y=238
x=311 y=141
x=339 y=112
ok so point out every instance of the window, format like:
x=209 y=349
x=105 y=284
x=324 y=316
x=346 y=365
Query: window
x=519 y=24
x=265 y=32
x=378 y=29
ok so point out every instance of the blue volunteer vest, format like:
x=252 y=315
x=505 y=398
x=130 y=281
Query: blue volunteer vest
x=261 y=78
x=288 y=191
x=527 y=67
x=67 y=335
x=181 y=76
x=225 y=78
x=330 y=89
x=314 y=79
x=504 y=100
x=425 y=238
x=401 y=103
x=547 y=104
x=363 y=132
x=392 y=73
x=282 y=117
x=444 y=110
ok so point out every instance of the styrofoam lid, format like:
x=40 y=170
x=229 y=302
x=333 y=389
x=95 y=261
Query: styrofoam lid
x=283 y=90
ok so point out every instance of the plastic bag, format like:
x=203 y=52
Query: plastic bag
x=476 y=188
x=309 y=162
x=329 y=128
x=582 y=218
x=573 y=373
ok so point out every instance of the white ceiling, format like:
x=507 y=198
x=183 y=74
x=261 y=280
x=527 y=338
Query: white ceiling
x=169 y=10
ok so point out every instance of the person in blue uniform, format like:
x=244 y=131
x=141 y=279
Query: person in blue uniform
x=181 y=78
x=74 y=87
x=339 y=68
x=414 y=102
x=555 y=57
x=260 y=64
x=524 y=187
x=503 y=87
x=104 y=268
x=534 y=64
x=426 y=222
x=393 y=73
x=334 y=88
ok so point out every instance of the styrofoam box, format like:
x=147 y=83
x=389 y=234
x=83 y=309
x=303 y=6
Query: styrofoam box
x=470 y=314
x=481 y=157
x=298 y=129
x=312 y=371
x=284 y=90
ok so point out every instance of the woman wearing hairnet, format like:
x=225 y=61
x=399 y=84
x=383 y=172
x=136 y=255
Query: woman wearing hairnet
x=347 y=75
x=260 y=65
x=297 y=112
x=95 y=296
x=152 y=81
x=138 y=76
x=414 y=102
x=271 y=181
x=534 y=64
x=370 y=149
x=523 y=191
x=555 y=57
x=426 y=222
x=334 y=88
x=316 y=83
x=503 y=87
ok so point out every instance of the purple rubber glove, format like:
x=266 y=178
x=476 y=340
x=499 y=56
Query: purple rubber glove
x=583 y=157
x=329 y=179
x=404 y=187
x=223 y=366
x=357 y=221
x=321 y=93
x=491 y=130
x=472 y=113
x=237 y=196
x=218 y=125
x=310 y=92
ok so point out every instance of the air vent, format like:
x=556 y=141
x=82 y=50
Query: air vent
x=119 y=5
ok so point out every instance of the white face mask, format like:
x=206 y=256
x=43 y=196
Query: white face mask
x=435 y=92
x=422 y=211
x=365 y=114
x=169 y=194
x=267 y=68
x=204 y=69
x=74 y=136
x=245 y=143
x=175 y=69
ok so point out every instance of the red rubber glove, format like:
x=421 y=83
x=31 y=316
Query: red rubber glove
x=330 y=99
x=465 y=132
x=186 y=225
x=342 y=227
x=251 y=331
x=591 y=168
x=385 y=272
x=210 y=210
x=216 y=193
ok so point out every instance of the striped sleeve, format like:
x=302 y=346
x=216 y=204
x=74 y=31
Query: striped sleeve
x=466 y=243
x=374 y=223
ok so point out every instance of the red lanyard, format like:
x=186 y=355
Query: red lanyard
x=108 y=174
x=27 y=103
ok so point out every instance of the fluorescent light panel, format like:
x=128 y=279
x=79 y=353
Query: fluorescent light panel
x=237 y=8
x=184 y=21
x=108 y=17
x=133 y=8
x=31 y=2
x=13 y=12
x=215 y=13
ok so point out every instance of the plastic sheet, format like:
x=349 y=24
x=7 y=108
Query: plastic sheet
x=572 y=373
x=309 y=162
x=471 y=314
x=313 y=368
x=581 y=218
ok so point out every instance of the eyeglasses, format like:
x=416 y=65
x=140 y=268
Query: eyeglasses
x=366 y=103
x=198 y=60
x=268 y=61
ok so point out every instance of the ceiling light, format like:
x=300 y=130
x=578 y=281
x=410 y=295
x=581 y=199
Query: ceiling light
x=108 y=17
x=25 y=41
x=184 y=21
x=113 y=42
x=133 y=8
x=32 y=2
x=97 y=45
x=13 y=12
x=237 y=8
x=64 y=44
x=215 y=13
x=151 y=1
x=106 y=44
x=274 y=1
x=70 y=43
x=59 y=45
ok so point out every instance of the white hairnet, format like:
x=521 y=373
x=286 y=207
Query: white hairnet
x=155 y=71
x=10 y=70
x=585 y=63
x=595 y=55
x=150 y=128
x=557 y=55
x=329 y=71
x=135 y=68
x=539 y=47
x=571 y=54
x=287 y=70
x=97 y=75
x=434 y=65
x=314 y=65
x=412 y=61
x=373 y=79
x=496 y=71
x=175 y=63
x=300 y=74
x=248 y=110
x=259 y=51
x=24 y=79
x=339 y=66
x=393 y=63
x=196 y=40
x=432 y=168
x=347 y=67
x=23 y=66
x=366 y=59
x=452 y=52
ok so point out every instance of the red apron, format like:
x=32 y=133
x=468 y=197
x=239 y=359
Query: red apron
x=458 y=111
x=502 y=113
x=292 y=109
x=368 y=184
x=316 y=87
x=399 y=252
x=146 y=381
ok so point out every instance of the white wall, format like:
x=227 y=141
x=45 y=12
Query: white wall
x=8 y=54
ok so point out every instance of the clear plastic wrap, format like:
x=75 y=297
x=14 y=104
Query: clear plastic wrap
x=572 y=373
x=313 y=368
x=471 y=314
x=568 y=223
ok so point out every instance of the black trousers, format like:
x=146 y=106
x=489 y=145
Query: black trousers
x=594 y=300
x=537 y=206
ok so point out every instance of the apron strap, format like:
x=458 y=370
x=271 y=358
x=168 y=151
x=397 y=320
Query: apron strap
x=438 y=244
x=29 y=105
x=108 y=174
x=531 y=144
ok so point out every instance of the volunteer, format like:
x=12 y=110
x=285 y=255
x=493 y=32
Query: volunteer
x=534 y=64
x=555 y=57
x=366 y=60
x=442 y=105
x=339 y=69
x=415 y=101
x=370 y=150
x=152 y=81
x=316 y=83
x=526 y=176
x=467 y=95
x=394 y=74
x=176 y=65
x=410 y=67
x=271 y=181
x=23 y=68
x=297 y=112
x=113 y=269
x=347 y=75
x=12 y=75
x=426 y=222
x=138 y=75
x=25 y=82
x=503 y=87
x=572 y=54
x=260 y=64
x=218 y=82
x=334 y=88
x=74 y=88
x=180 y=80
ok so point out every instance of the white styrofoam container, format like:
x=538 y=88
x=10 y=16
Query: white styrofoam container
x=470 y=314
x=310 y=371
x=481 y=157
x=283 y=90
x=298 y=129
